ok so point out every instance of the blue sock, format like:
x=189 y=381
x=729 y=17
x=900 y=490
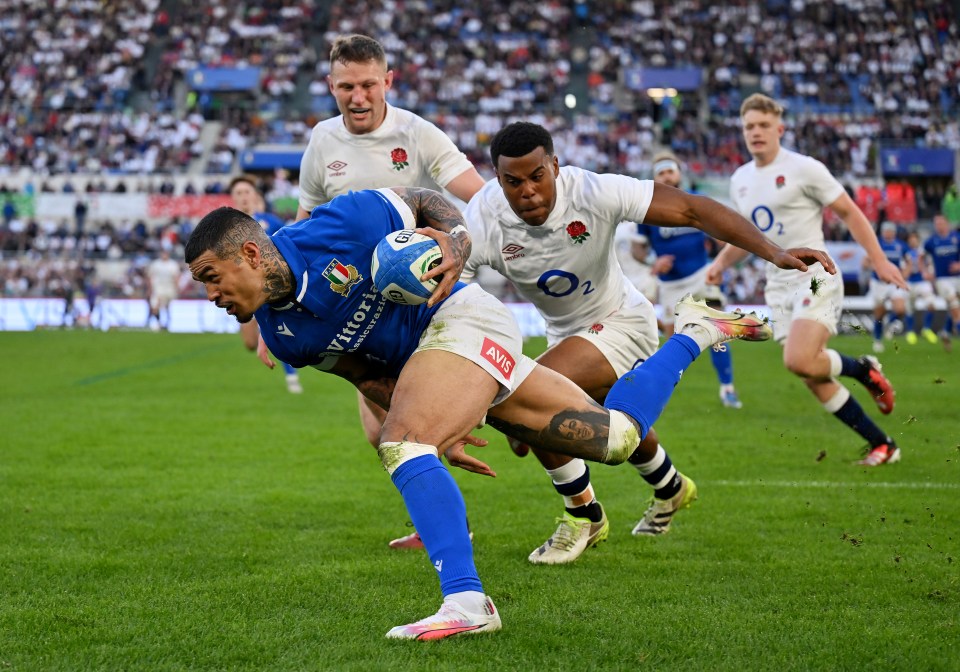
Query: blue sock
x=643 y=392
x=852 y=415
x=948 y=325
x=878 y=329
x=928 y=320
x=854 y=368
x=723 y=363
x=287 y=369
x=908 y=322
x=439 y=515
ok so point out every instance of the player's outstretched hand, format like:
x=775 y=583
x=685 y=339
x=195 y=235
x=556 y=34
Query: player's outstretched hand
x=889 y=272
x=455 y=250
x=800 y=257
x=457 y=456
x=264 y=354
x=714 y=274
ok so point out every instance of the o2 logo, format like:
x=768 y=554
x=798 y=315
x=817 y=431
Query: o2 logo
x=762 y=217
x=558 y=284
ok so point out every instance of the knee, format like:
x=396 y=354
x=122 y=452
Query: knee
x=798 y=364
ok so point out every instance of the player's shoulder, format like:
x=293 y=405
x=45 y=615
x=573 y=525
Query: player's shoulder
x=326 y=128
x=407 y=122
x=802 y=161
x=745 y=171
x=488 y=206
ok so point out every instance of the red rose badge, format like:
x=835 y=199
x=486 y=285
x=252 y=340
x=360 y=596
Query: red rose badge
x=399 y=158
x=577 y=232
x=781 y=181
x=596 y=329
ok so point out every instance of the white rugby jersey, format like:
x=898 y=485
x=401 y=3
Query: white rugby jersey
x=406 y=151
x=567 y=267
x=785 y=200
x=164 y=275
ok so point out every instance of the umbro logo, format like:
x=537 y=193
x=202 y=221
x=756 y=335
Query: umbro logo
x=512 y=251
x=284 y=330
x=337 y=166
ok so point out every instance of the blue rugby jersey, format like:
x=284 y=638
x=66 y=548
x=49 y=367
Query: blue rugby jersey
x=336 y=310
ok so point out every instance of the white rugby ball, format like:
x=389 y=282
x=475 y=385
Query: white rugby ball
x=398 y=262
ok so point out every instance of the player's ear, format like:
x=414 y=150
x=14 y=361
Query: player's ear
x=388 y=80
x=781 y=128
x=250 y=252
x=330 y=83
x=556 y=166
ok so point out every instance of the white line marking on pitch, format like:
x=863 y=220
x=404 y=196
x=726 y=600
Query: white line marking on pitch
x=831 y=484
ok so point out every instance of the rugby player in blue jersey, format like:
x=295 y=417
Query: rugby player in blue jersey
x=943 y=248
x=248 y=199
x=883 y=293
x=309 y=288
x=681 y=267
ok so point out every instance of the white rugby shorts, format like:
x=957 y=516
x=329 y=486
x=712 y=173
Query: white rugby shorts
x=625 y=338
x=796 y=300
x=671 y=291
x=921 y=294
x=478 y=327
x=161 y=299
x=948 y=289
x=880 y=292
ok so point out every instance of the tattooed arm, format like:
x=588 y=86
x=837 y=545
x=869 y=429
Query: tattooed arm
x=441 y=220
x=365 y=375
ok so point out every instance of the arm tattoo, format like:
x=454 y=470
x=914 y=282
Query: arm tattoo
x=432 y=209
x=573 y=432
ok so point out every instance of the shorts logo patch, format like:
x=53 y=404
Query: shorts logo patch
x=497 y=356
x=596 y=328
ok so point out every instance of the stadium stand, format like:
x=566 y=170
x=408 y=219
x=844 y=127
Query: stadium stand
x=102 y=105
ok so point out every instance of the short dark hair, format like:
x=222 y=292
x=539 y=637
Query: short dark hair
x=519 y=139
x=213 y=234
x=357 y=49
x=249 y=179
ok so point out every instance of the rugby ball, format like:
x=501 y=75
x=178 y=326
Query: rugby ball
x=398 y=262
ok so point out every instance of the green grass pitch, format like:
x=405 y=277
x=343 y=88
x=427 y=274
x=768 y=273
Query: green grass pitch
x=165 y=504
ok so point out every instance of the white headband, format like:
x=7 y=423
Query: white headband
x=665 y=164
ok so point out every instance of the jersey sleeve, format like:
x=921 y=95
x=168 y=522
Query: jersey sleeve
x=476 y=215
x=312 y=192
x=819 y=184
x=445 y=161
x=629 y=197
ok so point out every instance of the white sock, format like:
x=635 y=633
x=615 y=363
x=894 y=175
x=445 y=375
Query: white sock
x=471 y=600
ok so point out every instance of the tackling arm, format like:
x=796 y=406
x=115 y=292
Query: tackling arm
x=673 y=207
x=441 y=220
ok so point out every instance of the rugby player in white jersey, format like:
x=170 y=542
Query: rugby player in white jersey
x=372 y=144
x=163 y=280
x=551 y=232
x=310 y=288
x=784 y=194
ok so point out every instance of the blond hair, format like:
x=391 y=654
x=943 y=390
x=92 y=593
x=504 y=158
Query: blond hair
x=665 y=156
x=761 y=103
x=357 y=49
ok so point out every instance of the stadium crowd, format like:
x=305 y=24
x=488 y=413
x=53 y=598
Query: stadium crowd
x=88 y=89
